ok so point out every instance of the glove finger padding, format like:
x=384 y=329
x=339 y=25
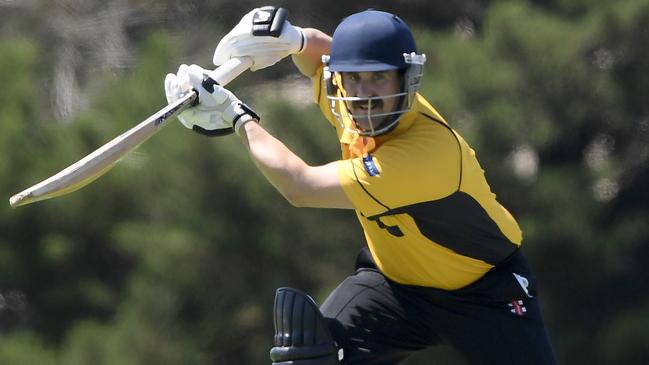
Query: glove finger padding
x=262 y=47
x=218 y=111
x=216 y=97
x=243 y=30
x=207 y=116
x=174 y=89
x=252 y=46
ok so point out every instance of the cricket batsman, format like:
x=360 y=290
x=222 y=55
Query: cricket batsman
x=442 y=261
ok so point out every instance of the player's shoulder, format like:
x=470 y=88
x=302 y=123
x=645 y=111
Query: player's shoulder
x=425 y=138
x=426 y=113
x=427 y=125
x=434 y=127
x=426 y=142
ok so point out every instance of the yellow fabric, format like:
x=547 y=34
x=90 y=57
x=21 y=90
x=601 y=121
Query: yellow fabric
x=361 y=146
x=421 y=161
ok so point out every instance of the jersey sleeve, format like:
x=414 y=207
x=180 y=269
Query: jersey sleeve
x=419 y=166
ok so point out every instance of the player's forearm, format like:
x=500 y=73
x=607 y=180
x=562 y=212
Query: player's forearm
x=317 y=44
x=281 y=167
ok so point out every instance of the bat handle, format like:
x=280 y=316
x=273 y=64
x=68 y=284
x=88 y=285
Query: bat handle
x=230 y=70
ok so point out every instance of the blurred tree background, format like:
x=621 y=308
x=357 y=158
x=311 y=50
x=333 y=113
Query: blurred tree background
x=173 y=257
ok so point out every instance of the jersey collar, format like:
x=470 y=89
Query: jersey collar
x=420 y=105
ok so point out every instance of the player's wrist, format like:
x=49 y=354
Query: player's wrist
x=302 y=43
x=243 y=114
x=241 y=125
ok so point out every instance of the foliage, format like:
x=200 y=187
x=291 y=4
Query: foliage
x=173 y=256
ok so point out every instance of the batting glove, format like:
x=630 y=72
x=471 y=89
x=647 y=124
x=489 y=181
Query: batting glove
x=253 y=38
x=218 y=112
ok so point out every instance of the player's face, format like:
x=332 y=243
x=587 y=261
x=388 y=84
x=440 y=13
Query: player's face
x=371 y=85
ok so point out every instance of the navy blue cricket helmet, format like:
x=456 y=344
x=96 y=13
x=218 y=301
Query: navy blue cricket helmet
x=371 y=41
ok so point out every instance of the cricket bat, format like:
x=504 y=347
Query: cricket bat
x=97 y=163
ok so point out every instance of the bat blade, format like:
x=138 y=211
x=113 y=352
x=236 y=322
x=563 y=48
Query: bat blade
x=92 y=166
x=98 y=162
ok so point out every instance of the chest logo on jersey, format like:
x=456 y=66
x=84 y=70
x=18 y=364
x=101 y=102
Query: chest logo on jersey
x=370 y=166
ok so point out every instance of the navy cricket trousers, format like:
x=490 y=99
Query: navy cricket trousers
x=494 y=321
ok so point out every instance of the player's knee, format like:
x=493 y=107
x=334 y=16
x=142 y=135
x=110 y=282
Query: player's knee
x=301 y=334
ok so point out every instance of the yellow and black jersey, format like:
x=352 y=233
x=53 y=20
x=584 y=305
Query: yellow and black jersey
x=428 y=213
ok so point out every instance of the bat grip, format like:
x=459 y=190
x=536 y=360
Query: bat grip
x=223 y=74
x=230 y=70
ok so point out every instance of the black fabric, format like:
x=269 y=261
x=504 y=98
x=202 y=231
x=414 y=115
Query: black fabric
x=213 y=132
x=208 y=84
x=459 y=223
x=226 y=131
x=492 y=321
x=393 y=230
x=248 y=110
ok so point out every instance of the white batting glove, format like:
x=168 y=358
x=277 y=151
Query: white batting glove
x=264 y=50
x=219 y=111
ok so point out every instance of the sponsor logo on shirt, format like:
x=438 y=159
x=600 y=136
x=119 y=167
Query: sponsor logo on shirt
x=370 y=166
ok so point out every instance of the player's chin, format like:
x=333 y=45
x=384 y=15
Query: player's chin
x=368 y=123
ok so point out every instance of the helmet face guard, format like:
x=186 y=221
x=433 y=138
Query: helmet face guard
x=371 y=123
x=372 y=41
